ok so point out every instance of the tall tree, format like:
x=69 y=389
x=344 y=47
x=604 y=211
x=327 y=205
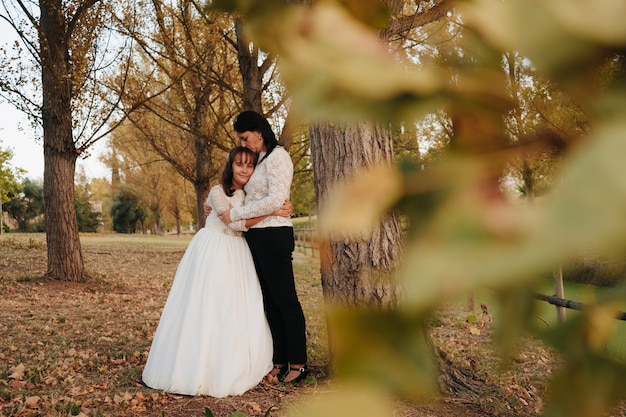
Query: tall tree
x=62 y=41
x=127 y=212
x=88 y=215
x=184 y=82
x=155 y=182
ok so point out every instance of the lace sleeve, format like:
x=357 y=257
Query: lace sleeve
x=217 y=199
x=279 y=173
x=239 y=225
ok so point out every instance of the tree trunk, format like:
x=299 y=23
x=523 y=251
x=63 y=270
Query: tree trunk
x=250 y=71
x=357 y=272
x=65 y=259
x=179 y=225
x=202 y=184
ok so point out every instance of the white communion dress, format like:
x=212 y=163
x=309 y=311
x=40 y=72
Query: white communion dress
x=212 y=338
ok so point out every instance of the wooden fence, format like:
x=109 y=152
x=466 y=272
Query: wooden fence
x=574 y=305
x=306 y=239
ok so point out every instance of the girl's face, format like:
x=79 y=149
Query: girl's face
x=243 y=167
x=251 y=140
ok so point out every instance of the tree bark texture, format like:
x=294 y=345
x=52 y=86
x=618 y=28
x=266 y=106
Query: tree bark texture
x=355 y=273
x=65 y=259
x=250 y=71
x=204 y=158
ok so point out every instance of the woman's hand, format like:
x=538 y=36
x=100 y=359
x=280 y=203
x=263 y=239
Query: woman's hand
x=286 y=210
x=224 y=216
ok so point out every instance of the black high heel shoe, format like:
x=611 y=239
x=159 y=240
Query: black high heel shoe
x=283 y=370
x=304 y=372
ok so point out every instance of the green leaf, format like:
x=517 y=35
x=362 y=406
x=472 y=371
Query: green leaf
x=251 y=9
x=336 y=68
x=470 y=241
x=388 y=349
x=585 y=387
x=588 y=210
x=267 y=413
x=474 y=330
x=560 y=37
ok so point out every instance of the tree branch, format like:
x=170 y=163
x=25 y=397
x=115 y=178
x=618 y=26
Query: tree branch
x=74 y=21
x=404 y=24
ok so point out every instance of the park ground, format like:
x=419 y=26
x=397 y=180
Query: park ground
x=78 y=349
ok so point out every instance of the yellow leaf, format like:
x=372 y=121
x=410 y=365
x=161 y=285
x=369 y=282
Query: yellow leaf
x=601 y=324
x=356 y=205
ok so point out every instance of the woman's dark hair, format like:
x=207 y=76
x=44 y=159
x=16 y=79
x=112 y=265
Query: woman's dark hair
x=252 y=121
x=227 y=173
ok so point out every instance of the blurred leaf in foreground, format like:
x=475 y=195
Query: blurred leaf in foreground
x=389 y=349
x=349 y=400
x=357 y=204
x=587 y=384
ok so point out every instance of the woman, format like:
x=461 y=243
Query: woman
x=272 y=243
x=213 y=338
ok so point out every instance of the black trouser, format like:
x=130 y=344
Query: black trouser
x=272 y=249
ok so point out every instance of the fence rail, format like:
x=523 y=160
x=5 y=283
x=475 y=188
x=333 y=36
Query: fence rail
x=571 y=304
x=306 y=240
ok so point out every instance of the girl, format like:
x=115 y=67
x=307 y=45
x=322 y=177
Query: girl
x=213 y=337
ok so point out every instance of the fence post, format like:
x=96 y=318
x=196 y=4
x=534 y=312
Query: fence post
x=559 y=292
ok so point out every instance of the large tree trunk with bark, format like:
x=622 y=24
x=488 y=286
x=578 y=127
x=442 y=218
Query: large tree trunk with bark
x=204 y=159
x=355 y=272
x=65 y=259
x=250 y=72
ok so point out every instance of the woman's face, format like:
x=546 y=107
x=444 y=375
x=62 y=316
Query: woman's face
x=243 y=167
x=251 y=140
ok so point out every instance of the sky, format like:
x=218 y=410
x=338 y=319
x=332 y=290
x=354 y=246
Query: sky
x=27 y=153
x=17 y=135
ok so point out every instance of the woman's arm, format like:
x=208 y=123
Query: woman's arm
x=286 y=210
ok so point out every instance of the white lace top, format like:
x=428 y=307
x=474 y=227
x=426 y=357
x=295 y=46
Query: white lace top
x=267 y=190
x=219 y=201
